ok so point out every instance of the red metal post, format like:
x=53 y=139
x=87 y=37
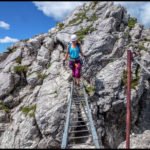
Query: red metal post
x=128 y=114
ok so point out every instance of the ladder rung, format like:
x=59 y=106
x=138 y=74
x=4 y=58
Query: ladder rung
x=86 y=122
x=75 y=111
x=75 y=98
x=80 y=137
x=81 y=117
x=78 y=96
x=74 y=104
x=79 y=114
x=78 y=101
x=77 y=121
x=71 y=145
x=75 y=108
x=79 y=131
x=80 y=126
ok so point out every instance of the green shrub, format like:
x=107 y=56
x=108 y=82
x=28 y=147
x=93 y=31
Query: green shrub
x=3 y=107
x=90 y=89
x=94 y=4
x=48 y=65
x=127 y=35
x=84 y=31
x=146 y=39
x=11 y=49
x=29 y=110
x=60 y=25
x=132 y=22
x=134 y=82
x=124 y=78
x=19 y=69
x=24 y=40
x=18 y=60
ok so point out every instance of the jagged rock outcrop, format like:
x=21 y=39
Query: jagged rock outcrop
x=34 y=86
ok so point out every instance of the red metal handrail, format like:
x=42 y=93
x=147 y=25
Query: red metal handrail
x=128 y=109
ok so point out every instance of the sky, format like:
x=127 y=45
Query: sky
x=23 y=20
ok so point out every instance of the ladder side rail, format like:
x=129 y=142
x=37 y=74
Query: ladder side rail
x=65 y=134
x=94 y=134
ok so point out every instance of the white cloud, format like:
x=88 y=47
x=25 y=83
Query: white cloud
x=8 y=39
x=140 y=10
x=57 y=10
x=4 y=25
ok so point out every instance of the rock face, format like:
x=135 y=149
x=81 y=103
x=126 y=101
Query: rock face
x=140 y=141
x=34 y=85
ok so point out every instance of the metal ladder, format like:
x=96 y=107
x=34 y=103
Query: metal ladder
x=79 y=129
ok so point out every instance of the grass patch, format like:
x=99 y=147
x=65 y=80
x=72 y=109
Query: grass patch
x=132 y=22
x=3 y=107
x=18 y=60
x=48 y=65
x=141 y=47
x=75 y=21
x=20 y=69
x=29 y=110
x=93 y=18
x=41 y=76
x=84 y=31
x=135 y=81
x=79 y=17
x=124 y=77
x=126 y=34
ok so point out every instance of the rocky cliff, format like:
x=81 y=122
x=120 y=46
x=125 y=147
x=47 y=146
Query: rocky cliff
x=34 y=85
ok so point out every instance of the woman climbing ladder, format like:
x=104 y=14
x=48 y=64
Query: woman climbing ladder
x=75 y=63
